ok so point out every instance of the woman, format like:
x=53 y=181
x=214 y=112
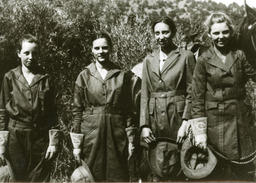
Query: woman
x=103 y=113
x=219 y=91
x=166 y=87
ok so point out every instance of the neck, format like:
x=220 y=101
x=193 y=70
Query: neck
x=25 y=70
x=223 y=51
x=168 y=49
x=103 y=65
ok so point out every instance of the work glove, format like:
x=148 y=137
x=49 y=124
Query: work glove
x=147 y=135
x=131 y=133
x=53 y=143
x=77 y=140
x=182 y=132
x=199 y=130
x=3 y=143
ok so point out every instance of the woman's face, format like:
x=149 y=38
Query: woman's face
x=162 y=34
x=220 y=34
x=101 y=50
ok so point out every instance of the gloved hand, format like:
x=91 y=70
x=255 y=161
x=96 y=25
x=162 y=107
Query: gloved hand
x=147 y=135
x=3 y=142
x=130 y=149
x=77 y=140
x=199 y=130
x=53 y=143
x=182 y=132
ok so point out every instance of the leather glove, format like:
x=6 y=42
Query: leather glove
x=199 y=130
x=3 y=143
x=77 y=140
x=182 y=132
x=53 y=143
x=147 y=135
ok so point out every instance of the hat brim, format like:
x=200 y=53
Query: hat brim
x=154 y=156
x=201 y=172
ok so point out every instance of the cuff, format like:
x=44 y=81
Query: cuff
x=77 y=139
x=199 y=125
x=3 y=140
x=54 y=137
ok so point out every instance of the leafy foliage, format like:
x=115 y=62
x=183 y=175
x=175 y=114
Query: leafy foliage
x=64 y=29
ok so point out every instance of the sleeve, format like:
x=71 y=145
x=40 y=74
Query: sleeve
x=78 y=106
x=198 y=90
x=133 y=92
x=4 y=98
x=144 y=114
x=53 y=118
x=190 y=65
x=250 y=72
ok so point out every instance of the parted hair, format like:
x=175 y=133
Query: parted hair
x=167 y=20
x=218 y=17
x=26 y=37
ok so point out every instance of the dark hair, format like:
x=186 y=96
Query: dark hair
x=99 y=35
x=26 y=37
x=167 y=20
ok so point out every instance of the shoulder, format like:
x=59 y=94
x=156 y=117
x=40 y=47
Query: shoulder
x=13 y=73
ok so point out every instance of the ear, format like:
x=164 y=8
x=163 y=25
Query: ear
x=209 y=35
x=18 y=52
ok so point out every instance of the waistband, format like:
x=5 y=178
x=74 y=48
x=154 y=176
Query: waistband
x=25 y=125
x=102 y=109
x=167 y=94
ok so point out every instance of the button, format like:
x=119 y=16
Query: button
x=160 y=81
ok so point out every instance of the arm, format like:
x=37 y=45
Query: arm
x=190 y=65
x=78 y=105
x=199 y=121
x=189 y=68
x=4 y=98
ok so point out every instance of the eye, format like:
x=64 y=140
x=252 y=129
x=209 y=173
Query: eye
x=105 y=47
x=157 y=33
x=166 y=32
x=96 y=48
x=226 y=32
x=26 y=53
x=215 y=33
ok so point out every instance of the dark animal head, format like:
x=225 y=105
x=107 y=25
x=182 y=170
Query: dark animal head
x=246 y=35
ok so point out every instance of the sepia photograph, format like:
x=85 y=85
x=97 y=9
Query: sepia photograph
x=127 y=91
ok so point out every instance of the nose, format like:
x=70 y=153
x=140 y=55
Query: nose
x=221 y=35
x=100 y=50
x=30 y=56
x=161 y=36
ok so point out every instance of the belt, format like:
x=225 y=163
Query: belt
x=167 y=94
x=24 y=125
x=102 y=109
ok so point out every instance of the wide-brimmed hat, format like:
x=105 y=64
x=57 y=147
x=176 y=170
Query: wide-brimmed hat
x=82 y=174
x=6 y=172
x=163 y=157
x=195 y=162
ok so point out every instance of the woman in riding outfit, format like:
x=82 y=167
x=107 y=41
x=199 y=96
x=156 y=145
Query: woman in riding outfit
x=166 y=88
x=28 y=114
x=103 y=114
x=219 y=94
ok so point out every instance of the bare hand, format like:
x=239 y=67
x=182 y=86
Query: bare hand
x=51 y=151
x=147 y=135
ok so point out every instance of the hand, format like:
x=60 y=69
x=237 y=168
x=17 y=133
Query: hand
x=51 y=151
x=2 y=160
x=76 y=153
x=147 y=135
x=201 y=141
x=130 y=150
x=182 y=132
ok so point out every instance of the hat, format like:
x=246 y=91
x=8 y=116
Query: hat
x=195 y=162
x=163 y=157
x=82 y=174
x=6 y=173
